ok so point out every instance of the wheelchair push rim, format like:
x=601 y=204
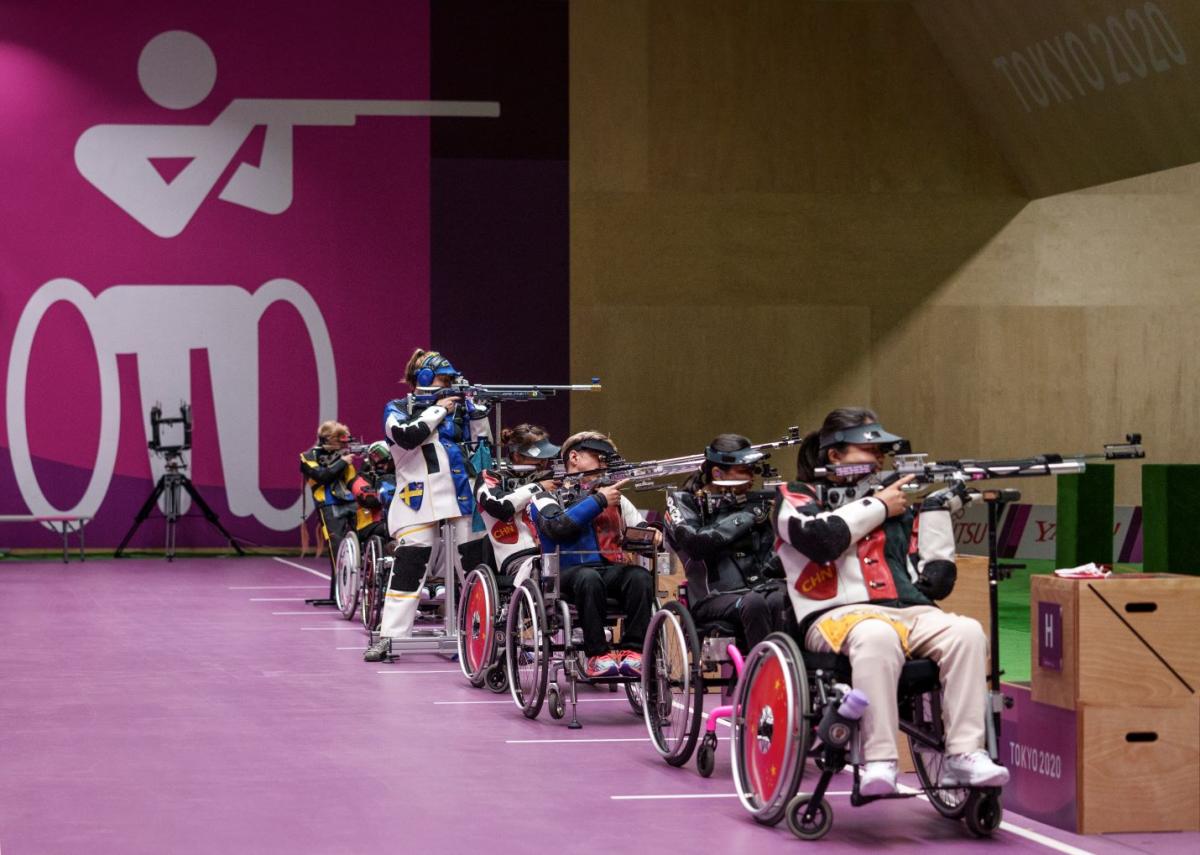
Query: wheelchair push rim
x=770 y=728
x=929 y=760
x=347 y=569
x=527 y=648
x=374 y=580
x=477 y=625
x=672 y=692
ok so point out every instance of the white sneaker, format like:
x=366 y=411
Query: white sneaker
x=973 y=770
x=877 y=778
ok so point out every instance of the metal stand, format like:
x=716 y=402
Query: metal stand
x=441 y=640
x=997 y=572
x=170 y=484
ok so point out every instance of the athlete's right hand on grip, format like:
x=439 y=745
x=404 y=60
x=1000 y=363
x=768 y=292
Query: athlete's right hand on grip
x=894 y=497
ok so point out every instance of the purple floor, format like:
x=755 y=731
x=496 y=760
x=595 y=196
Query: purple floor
x=202 y=707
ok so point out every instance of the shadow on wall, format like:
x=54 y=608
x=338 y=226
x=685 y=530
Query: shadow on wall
x=760 y=200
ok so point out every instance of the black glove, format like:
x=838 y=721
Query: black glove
x=773 y=568
x=937 y=579
x=940 y=500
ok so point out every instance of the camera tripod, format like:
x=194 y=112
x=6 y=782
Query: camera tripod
x=171 y=484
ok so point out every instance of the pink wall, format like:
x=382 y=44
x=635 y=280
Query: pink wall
x=354 y=238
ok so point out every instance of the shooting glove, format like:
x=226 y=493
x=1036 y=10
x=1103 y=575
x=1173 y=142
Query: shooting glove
x=950 y=498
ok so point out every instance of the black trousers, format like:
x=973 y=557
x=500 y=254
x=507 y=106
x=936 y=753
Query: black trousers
x=588 y=586
x=755 y=613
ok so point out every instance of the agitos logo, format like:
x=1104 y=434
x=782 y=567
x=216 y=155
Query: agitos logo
x=817 y=581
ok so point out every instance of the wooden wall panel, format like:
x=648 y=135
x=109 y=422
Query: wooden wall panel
x=782 y=207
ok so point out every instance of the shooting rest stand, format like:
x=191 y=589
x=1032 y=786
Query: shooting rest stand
x=997 y=572
x=172 y=481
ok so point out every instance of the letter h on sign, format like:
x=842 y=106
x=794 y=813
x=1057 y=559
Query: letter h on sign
x=1049 y=636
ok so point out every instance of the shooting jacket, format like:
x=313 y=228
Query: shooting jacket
x=726 y=549
x=433 y=472
x=505 y=514
x=587 y=530
x=856 y=554
x=329 y=476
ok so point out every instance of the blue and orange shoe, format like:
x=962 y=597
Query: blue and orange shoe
x=631 y=663
x=602 y=665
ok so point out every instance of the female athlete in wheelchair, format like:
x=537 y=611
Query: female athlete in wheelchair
x=588 y=575
x=504 y=495
x=863 y=573
x=733 y=594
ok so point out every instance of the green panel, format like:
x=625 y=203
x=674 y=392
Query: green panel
x=1170 y=511
x=1085 y=517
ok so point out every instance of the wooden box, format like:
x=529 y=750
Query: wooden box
x=1139 y=768
x=1100 y=769
x=1129 y=640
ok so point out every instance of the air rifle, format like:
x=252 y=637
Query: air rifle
x=497 y=392
x=651 y=474
x=863 y=479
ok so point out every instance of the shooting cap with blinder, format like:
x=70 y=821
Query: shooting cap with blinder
x=740 y=457
x=871 y=433
x=543 y=449
x=433 y=365
x=602 y=447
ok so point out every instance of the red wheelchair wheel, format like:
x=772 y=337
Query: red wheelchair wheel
x=770 y=728
x=477 y=625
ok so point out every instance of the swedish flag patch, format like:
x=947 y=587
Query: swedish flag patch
x=412 y=494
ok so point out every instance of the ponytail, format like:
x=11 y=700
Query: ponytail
x=808 y=458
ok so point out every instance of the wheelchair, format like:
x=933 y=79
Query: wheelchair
x=350 y=568
x=786 y=710
x=542 y=642
x=681 y=662
x=483 y=616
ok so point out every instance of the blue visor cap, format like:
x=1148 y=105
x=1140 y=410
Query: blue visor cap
x=543 y=449
x=868 y=434
x=441 y=365
x=740 y=457
x=596 y=446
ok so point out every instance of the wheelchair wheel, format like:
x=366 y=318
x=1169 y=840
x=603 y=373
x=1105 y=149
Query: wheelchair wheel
x=771 y=730
x=555 y=702
x=672 y=691
x=818 y=826
x=346 y=570
x=983 y=812
x=706 y=755
x=527 y=648
x=497 y=678
x=633 y=694
x=374 y=584
x=928 y=760
x=477 y=625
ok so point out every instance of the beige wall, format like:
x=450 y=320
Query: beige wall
x=781 y=207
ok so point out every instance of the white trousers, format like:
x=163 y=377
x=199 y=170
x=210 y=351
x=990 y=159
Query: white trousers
x=400 y=606
x=957 y=644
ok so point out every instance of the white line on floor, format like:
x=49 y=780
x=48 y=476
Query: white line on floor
x=276 y=587
x=443 y=671
x=559 y=741
x=360 y=647
x=332 y=628
x=302 y=567
x=581 y=700
x=1048 y=842
x=694 y=796
x=277 y=600
x=311 y=613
